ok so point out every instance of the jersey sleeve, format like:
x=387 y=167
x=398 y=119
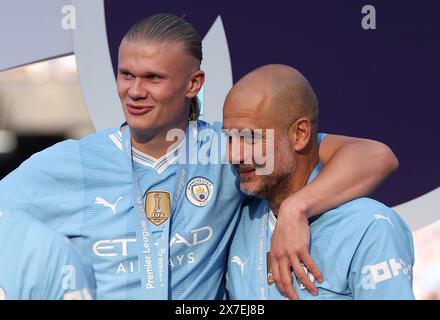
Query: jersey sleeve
x=68 y=276
x=381 y=268
x=48 y=186
x=37 y=263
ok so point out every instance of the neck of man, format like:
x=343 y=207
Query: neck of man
x=154 y=142
x=293 y=183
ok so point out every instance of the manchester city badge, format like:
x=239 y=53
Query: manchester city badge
x=199 y=191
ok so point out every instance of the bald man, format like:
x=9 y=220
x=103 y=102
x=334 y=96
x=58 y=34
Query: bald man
x=363 y=248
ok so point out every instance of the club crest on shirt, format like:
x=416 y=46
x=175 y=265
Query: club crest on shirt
x=158 y=207
x=199 y=191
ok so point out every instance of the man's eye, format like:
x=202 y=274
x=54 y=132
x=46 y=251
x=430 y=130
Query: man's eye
x=154 y=77
x=126 y=75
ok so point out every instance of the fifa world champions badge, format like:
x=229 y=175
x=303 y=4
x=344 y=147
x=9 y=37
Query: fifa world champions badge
x=199 y=191
x=269 y=270
x=158 y=207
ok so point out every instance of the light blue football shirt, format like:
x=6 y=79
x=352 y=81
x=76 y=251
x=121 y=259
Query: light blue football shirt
x=37 y=263
x=363 y=249
x=83 y=190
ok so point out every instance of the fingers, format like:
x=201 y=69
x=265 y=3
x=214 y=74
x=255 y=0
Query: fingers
x=276 y=273
x=302 y=277
x=290 y=249
x=282 y=276
x=286 y=280
x=311 y=266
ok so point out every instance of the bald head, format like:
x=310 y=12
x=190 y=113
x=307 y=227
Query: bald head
x=276 y=92
x=277 y=105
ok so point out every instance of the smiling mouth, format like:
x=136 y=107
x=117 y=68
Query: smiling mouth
x=245 y=172
x=138 y=110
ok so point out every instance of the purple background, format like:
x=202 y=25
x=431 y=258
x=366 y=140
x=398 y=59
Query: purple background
x=380 y=84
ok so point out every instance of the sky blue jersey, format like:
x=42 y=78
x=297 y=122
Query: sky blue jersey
x=363 y=249
x=84 y=190
x=37 y=263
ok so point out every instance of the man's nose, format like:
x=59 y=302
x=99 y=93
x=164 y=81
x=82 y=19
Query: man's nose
x=240 y=152
x=138 y=90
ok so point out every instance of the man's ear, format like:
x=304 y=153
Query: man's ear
x=299 y=134
x=195 y=83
